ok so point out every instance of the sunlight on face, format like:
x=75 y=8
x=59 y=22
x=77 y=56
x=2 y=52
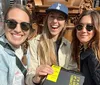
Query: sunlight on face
x=56 y=23
x=17 y=36
x=84 y=35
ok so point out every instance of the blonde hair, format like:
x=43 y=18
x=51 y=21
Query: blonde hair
x=46 y=49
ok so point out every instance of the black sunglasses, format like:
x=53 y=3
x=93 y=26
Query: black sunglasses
x=24 y=25
x=88 y=27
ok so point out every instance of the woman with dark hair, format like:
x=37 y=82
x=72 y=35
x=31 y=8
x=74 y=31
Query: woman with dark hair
x=85 y=46
x=50 y=48
x=14 y=57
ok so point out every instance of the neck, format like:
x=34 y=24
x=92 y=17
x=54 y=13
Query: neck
x=85 y=45
x=55 y=38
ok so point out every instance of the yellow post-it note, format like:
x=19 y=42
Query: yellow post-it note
x=53 y=77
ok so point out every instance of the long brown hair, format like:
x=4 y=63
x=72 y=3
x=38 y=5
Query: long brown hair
x=94 y=42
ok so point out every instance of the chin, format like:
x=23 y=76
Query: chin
x=16 y=45
x=84 y=42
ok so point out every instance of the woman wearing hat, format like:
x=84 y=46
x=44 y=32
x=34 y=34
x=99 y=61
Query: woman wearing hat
x=50 y=48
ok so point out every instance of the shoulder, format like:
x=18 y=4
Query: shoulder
x=1 y=40
x=66 y=46
x=33 y=43
x=35 y=40
x=66 y=42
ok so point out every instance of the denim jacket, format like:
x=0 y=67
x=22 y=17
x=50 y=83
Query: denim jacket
x=7 y=63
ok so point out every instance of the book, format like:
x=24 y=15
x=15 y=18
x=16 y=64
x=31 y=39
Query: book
x=61 y=76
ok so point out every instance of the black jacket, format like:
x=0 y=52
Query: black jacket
x=90 y=67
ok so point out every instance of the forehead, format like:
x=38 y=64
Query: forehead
x=56 y=13
x=86 y=19
x=17 y=14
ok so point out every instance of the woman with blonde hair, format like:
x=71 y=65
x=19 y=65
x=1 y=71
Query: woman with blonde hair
x=50 y=48
x=14 y=57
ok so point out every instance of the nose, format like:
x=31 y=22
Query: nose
x=55 y=20
x=84 y=29
x=18 y=28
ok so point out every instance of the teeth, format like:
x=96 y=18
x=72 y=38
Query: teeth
x=17 y=36
x=54 y=26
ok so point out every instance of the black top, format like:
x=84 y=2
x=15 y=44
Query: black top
x=90 y=67
x=56 y=46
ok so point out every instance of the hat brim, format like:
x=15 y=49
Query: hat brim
x=49 y=10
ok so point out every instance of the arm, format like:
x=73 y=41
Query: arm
x=3 y=71
x=36 y=72
x=33 y=64
x=94 y=67
x=70 y=64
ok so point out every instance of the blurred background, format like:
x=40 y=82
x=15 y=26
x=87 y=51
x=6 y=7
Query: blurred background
x=37 y=9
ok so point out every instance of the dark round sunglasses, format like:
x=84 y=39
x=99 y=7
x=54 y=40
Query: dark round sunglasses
x=12 y=25
x=88 y=27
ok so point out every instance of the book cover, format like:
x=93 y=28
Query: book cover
x=62 y=76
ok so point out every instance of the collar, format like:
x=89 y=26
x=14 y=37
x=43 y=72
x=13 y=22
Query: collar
x=65 y=41
x=6 y=45
x=86 y=53
x=4 y=39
